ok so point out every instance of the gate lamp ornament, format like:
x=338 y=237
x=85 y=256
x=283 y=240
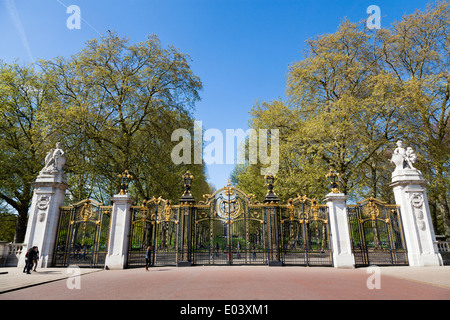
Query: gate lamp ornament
x=271 y=197
x=125 y=179
x=187 y=197
x=333 y=179
x=187 y=179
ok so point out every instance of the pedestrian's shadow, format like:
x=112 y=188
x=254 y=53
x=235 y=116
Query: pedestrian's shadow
x=47 y=272
x=160 y=270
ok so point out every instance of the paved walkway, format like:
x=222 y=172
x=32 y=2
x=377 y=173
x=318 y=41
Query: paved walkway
x=228 y=283
x=13 y=278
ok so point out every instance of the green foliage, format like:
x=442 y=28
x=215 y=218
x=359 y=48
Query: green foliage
x=23 y=96
x=119 y=104
x=356 y=92
x=113 y=106
x=7 y=224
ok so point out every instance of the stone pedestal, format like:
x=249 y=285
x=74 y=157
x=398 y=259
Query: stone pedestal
x=119 y=235
x=340 y=233
x=48 y=196
x=411 y=196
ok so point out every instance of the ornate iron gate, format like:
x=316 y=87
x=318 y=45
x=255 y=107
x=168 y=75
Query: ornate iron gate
x=83 y=234
x=154 y=224
x=304 y=233
x=376 y=233
x=229 y=229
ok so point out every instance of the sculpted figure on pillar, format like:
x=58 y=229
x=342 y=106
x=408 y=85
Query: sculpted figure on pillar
x=403 y=158
x=54 y=160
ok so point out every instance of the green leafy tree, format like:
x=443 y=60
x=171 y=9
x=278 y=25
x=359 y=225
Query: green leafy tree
x=118 y=105
x=23 y=96
x=353 y=94
x=417 y=52
x=114 y=106
x=8 y=223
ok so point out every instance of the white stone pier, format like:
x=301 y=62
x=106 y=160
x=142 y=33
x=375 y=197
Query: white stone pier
x=48 y=195
x=410 y=194
x=340 y=233
x=119 y=234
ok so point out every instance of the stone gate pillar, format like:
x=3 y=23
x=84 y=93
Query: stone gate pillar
x=340 y=234
x=410 y=194
x=119 y=234
x=48 y=195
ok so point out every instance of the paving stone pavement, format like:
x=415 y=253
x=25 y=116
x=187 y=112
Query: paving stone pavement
x=14 y=278
x=228 y=283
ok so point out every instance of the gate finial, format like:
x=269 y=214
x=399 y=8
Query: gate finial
x=187 y=197
x=271 y=197
x=333 y=178
x=125 y=179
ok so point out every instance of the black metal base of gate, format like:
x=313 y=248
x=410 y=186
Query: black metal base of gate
x=379 y=258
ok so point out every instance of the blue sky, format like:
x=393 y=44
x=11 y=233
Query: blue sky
x=240 y=49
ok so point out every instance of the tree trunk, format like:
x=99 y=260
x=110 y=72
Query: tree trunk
x=374 y=180
x=445 y=212
x=21 y=225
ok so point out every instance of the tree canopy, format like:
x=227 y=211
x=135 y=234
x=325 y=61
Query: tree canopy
x=354 y=93
x=113 y=106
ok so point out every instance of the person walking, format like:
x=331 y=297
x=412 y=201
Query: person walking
x=26 y=260
x=238 y=250
x=147 y=257
x=31 y=254
x=36 y=258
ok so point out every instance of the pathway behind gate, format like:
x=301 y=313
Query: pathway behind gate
x=228 y=283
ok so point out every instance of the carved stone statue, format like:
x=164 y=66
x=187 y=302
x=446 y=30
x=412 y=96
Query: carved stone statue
x=54 y=160
x=403 y=159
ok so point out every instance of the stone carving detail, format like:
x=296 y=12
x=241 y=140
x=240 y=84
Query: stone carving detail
x=41 y=215
x=43 y=202
x=42 y=205
x=403 y=158
x=417 y=200
x=54 y=161
x=417 y=203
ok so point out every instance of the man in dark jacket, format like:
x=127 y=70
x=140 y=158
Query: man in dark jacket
x=31 y=255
